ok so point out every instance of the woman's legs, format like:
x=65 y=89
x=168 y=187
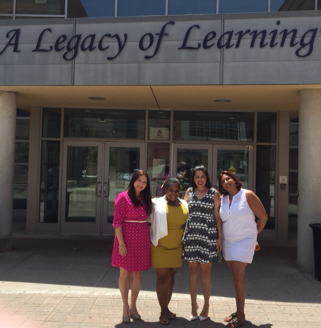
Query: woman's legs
x=164 y=287
x=194 y=268
x=123 y=283
x=135 y=283
x=238 y=275
x=206 y=286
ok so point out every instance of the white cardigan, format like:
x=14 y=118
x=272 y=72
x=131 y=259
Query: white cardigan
x=158 y=218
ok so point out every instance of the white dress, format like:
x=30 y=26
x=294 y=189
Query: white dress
x=239 y=228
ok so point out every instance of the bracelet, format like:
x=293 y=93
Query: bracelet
x=123 y=245
x=220 y=234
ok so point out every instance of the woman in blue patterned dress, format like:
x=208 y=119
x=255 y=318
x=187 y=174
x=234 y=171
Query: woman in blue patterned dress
x=203 y=237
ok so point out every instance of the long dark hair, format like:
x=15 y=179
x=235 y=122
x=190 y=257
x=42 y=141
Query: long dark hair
x=146 y=192
x=203 y=169
x=236 y=180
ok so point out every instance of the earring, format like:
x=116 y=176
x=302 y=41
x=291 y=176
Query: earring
x=236 y=184
x=223 y=190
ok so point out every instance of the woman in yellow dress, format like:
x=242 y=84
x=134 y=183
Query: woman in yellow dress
x=168 y=218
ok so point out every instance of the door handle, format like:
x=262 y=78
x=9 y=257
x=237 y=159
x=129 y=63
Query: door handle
x=106 y=189
x=98 y=189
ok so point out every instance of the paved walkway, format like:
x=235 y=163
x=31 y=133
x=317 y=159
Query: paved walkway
x=69 y=282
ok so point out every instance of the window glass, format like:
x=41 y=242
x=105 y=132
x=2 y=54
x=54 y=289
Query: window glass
x=21 y=174
x=51 y=122
x=244 y=6
x=294 y=135
x=319 y=5
x=123 y=163
x=5 y=18
x=188 y=7
x=22 y=152
x=265 y=181
x=6 y=6
x=293 y=182
x=159 y=125
x=22 y=129
x=289 y=5
x=91 y=8
x=293 y=158
x=82 y=169
x=141 y=7
x=158 y=166
x=22 y=113
x=187 y=159
x=103 y=123
x=266 y=127
x=19 y=202
x=49 y=182
x=197 y=125
x=40 y=7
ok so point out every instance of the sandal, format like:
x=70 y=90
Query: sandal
x=230 y=317
x=234 y=323
x=163 y=321
x=171 y=315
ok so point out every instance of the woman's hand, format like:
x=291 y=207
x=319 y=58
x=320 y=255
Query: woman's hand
x=219 y=244
x=123 y=250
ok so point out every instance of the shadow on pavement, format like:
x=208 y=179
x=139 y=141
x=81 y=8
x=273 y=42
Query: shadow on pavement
x=181 y=322
x=86 y=262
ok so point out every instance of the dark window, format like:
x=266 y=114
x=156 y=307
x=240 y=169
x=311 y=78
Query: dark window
x=51 y=122
x=40 y=7
x=191 y=7
x=49 y=182
x=198 y=125
x=103 y=123
x=141 y=7
x=290 y=5
x=266 y=127
x=244 y=6
x=91 y=8
x=6 y=6
x=265 y=181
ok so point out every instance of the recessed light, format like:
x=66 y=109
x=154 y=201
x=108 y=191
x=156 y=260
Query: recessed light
x=222 y=100
x=96 y=98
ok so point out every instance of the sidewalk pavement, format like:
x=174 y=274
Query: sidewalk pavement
x=69 y=282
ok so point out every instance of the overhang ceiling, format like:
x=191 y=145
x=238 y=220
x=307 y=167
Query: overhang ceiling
x=242 y=98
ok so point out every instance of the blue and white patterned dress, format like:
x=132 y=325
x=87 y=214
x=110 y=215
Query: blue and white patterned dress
x=201 y=233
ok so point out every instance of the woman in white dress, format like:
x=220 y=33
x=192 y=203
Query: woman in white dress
x=238 y=210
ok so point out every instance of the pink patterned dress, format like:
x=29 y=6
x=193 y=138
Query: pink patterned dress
x=136 y=235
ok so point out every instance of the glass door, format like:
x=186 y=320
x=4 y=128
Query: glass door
x=94 y=173
x=121 y=162
x=236 y=159
x=82 y=187
x=185 y=158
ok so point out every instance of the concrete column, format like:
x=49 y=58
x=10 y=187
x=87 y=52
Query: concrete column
x=7 y=151
x=309 y=174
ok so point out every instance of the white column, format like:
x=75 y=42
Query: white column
x=7 y=151
x=309 y=174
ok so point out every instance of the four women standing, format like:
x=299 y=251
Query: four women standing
x=214 y=223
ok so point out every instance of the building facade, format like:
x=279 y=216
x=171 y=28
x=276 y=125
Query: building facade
x=162 y=91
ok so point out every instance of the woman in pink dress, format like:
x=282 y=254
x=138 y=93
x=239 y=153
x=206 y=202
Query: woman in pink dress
x=131 y=252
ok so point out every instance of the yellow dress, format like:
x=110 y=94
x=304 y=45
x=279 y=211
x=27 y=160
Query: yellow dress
x=168 y=252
